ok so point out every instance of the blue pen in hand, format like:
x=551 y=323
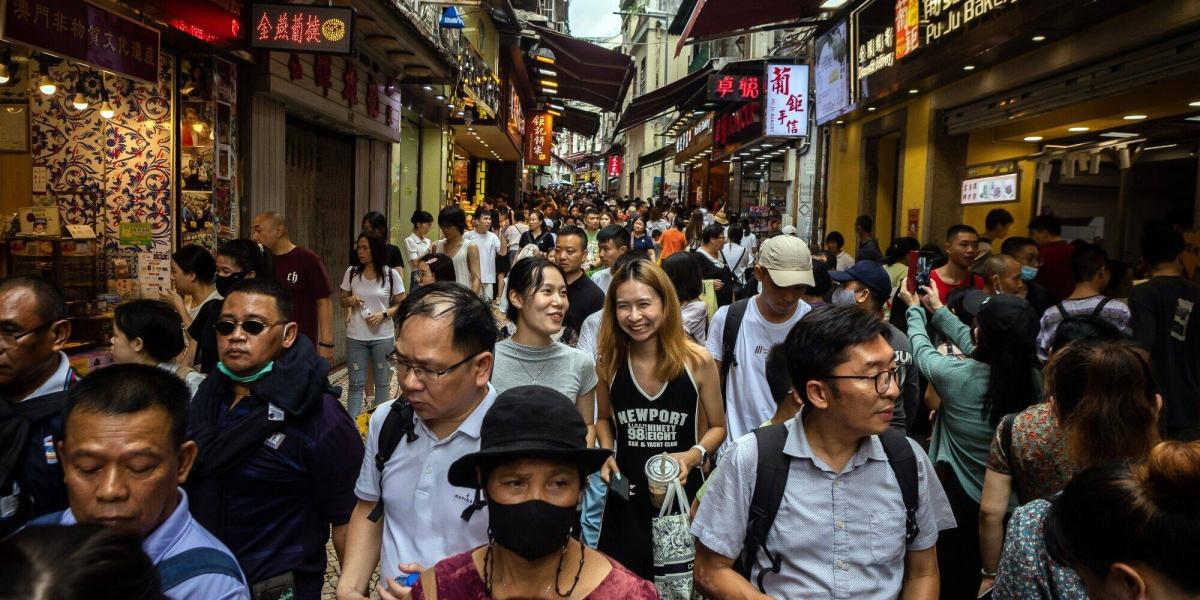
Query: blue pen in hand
x=409 y=580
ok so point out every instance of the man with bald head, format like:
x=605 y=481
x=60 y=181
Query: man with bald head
x=303 y=275
x=1002 y=275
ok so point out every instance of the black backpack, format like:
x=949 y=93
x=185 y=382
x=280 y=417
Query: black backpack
x=729 y=333
x=399 y=423
x=771 y=480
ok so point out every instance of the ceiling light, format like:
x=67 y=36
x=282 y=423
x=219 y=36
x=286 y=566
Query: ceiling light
x=832 y=4
x=1038 y=38
x=914 y=91
x=1134 y=117
x=839 y=122
x=1077 y=129
x=968 y=67
x=427 y=87
x=1033 y=138
x=439 y=97
x=1194 y=104
x=547 y=72
x=870 y=109
x=4 y=74
x=46 y=86
x=548 y=83
x=1162 y=147
x=1118 y=134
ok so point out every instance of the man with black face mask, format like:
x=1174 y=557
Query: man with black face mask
x=532 y=460
x=236 y=260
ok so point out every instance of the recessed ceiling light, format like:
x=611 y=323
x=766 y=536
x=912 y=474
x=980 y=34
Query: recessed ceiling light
x=1196 y=118
x=427 y=87
x=870 y=109
x=839 y=122
x=1118 y=134
x=1134 y=117
x=440 y=97
x=1194 y=104
x=1033 y=138
x=914 y=91
x=968 y=67
x=1077 y=129
x=1038 y=38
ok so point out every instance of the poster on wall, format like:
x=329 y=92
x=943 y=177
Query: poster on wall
x=787 y=100
x=832 y=75
x=998 y=188
x=196 y=168
x=14 y=130
x=195 y=212
x=196 y=125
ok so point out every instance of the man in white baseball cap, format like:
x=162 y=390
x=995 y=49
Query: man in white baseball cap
x=741 y=335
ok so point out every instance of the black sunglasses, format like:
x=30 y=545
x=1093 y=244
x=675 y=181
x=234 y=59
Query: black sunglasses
x=250 y=327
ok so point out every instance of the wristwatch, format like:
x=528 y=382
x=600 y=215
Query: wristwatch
x=703 y=453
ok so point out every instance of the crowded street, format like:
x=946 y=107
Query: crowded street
x=599 y=299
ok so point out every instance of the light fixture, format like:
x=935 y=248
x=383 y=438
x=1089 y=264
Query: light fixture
x=1162 y=147
x=1033 y=138
x=832 y=4
x=871 y=109
x=547 y=72
x=1077 y=129
x=427 y=87
x=1118 y=134
x=839 y=122
x=557 y=107
x=45 y=84
x=5 y=75
x=914 y=91
x=1038 y=38
x=80 y=101
x=1134 y=117
x=968 y=67
x=439 y=97
x=1194 y=104
x=106 y=110
x=544 y=55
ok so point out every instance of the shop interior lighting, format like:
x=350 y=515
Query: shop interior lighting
x=106 y=108
x=547 y=72
x=80 y=101
x=544 y=55
x=1079 y=129
x=839 y=122
x=1192 y=104
x=5 y=75
x=45 y=84
x=1038 y=38
x=833 y=4
x=968 y=67
x=548 y=83
x=427 y=87
x=914 y=91
x=1033 y=138
x=1134 y=117
x=871 y=109
x=1120 y=134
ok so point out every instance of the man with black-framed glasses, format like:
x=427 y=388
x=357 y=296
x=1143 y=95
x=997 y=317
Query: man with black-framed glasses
x=277 y=451
x=408 y=515
x=34 y=377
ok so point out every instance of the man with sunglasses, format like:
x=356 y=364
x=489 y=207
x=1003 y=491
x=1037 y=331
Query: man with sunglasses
x=408 y=515
x=34 y=377
x=277 y=452
x=843 y=527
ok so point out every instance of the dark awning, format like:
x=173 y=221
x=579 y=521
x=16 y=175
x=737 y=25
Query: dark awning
x=668 y=97
x=585 y=123
x=588 y=72
x=680 y=20
x=712 y=19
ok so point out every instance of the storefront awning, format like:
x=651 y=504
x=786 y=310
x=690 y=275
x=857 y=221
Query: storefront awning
x=588 y=72
x=721 y=18
x=668 y=97
x=583 y=122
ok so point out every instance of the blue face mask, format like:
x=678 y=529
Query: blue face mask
x=843 y=297
x=247 y=378
x=1028 y=273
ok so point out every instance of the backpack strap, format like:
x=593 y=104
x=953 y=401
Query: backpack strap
x=904 y=465
x=1100 y=307
x=733 y=323
x=770 y=480
x=53 y=518
x=400 y=422
x=1006 y=437
x=1062 y=310
x=189 y=564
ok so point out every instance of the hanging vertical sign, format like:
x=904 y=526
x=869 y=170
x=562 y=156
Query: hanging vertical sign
x=908 y=27
x=613 y=168
x=539 y=133
x=451 y=19
x=787 y=100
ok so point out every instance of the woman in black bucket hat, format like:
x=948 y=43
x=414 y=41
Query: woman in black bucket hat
x=529 y=473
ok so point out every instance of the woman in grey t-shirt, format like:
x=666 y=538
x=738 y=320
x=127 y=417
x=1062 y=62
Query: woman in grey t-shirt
x=537 y=304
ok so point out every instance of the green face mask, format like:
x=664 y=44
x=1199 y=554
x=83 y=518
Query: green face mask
x=247 y=378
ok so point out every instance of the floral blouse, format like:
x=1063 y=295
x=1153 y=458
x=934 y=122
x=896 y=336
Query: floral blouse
x=1026 y=571
x=458 y=578
x=1038 y=456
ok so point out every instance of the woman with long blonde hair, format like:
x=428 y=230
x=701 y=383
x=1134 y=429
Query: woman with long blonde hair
x=658 y=390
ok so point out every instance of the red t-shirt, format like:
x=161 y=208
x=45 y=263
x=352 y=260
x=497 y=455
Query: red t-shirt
x=944 y=289
x=672 y=241
x=1055 y=272
x=303 y=275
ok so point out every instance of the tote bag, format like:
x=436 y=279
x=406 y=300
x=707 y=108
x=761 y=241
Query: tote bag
x=674 y=548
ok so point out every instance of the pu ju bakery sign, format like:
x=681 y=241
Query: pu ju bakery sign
x=84 y=33
x=539 y=132
x=303 y=28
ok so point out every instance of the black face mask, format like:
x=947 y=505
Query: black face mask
x=531 y=529
x=225 y=283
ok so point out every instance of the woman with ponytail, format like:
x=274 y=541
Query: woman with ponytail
x=1105 y=397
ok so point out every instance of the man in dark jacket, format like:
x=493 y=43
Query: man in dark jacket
x=278 y=455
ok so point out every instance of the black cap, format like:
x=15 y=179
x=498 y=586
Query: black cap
x=529 y=421
x=1011 y=316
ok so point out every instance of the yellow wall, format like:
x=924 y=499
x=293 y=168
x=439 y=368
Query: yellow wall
x=982 y=149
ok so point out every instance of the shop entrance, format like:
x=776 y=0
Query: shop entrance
x=883 y=163
x=320 y=202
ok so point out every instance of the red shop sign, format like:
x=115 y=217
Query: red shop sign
x=614 y=166
x=728 y=126
x=304 y=28
x=81 y=32
x=734 y=88
x=218 y=22
x=538 y=138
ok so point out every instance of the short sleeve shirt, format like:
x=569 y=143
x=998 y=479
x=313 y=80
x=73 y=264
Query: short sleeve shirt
x=1038 y=464
x=557 y=366
x=1026 y=571
x=841 y=534
x=377 y=297
x=489 y=246
x=303 y=275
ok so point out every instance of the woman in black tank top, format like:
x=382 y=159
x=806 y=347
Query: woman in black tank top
x=659 y=392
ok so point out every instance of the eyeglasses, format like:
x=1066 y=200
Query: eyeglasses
x=883 y=379
x=8 y=340
x=250 y=327
x=423 y=373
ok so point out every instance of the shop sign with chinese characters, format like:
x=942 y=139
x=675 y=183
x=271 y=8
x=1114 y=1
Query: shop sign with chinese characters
x=539 y=133
x=908 y=27
x=787 y=100
x=516 y=115
x=327 y=29
x=81 y=32
x=733 y=126
x=998 y=188
x=613 y=166
x=217 y=22
x=876 y=52
x=696 y=130
x=734 y=88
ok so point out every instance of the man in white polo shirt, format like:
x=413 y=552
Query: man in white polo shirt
x=488 y=244
x=443 y=357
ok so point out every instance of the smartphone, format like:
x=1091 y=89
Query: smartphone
x=924 y=268
x=619 y=485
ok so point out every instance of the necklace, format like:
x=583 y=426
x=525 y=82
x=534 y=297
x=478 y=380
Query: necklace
x=533 y=378
x=489 y=560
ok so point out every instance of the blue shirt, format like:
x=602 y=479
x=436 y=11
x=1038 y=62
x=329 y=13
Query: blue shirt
x=179 y=533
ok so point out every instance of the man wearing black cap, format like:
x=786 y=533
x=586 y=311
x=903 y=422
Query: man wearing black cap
x=867 y=286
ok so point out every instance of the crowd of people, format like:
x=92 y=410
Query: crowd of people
x=584 y=396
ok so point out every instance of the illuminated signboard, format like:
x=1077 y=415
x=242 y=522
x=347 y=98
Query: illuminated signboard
x=217 y=22
x=85 y=33
x=326 y=29
x=908 y=27
x=787 y=100
x=832 y=75
x=538 y=139
x=734 y=88
x=731 y=127
x=997 y=188
x=613 y=168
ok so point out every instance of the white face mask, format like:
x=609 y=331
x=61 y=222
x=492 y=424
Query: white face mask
x=844 y=297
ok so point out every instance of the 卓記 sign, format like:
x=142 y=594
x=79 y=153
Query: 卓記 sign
x=325 y=29
x=82 y=32
x=734 y=88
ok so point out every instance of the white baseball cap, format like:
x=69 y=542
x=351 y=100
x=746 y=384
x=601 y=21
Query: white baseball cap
x=788 y=261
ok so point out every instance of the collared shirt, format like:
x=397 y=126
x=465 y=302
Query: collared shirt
x=422 y=512
x=179 y=533
x=841 y=534
x=57 y=382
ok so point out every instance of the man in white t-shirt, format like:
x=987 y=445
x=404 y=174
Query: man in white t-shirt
x=488 y=244
x=784 y=269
